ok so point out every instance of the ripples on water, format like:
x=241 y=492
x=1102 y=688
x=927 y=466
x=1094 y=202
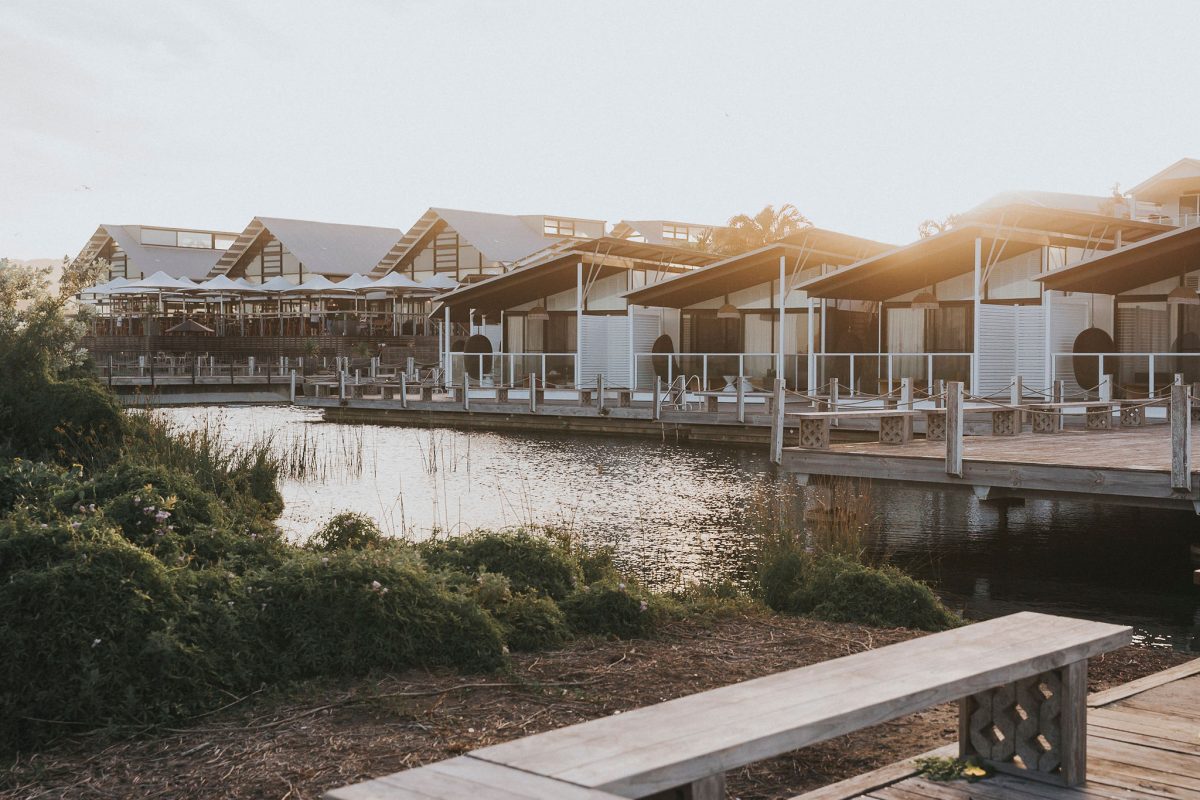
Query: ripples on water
x=676 y=513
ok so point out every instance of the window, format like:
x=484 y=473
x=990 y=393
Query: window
x=682 y=233
x=156 y=236
x=223 y=242
x=1189 y=208
x=558 y=227
x=193 y=239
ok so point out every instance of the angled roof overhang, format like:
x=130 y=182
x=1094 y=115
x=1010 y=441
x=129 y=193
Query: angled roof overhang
x=1163 y=183
x=1168 y=255
x=809 y=248
x=558 y=271
x=1003 y=233
x=241 y=245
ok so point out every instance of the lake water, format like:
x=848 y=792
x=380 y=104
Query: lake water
x=677 y=513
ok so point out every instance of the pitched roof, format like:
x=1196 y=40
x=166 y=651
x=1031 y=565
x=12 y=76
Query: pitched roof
x=1182 y=169
x=324 y=248
x=1170 y=254
x=501 y=238
x=652 y=229
x=178 y=262
x=1090 y=203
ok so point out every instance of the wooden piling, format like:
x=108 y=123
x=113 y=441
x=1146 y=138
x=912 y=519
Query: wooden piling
x=1181 y=438
x=778 y=408
x=954 y=428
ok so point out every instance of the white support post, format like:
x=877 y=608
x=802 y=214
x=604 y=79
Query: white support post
x=1059 y=395
x=812 y=355
x=906 y=394
x=1018 y=391
x=292 y=388
x=446 y=362
x=954 y=429
x=578 y=324
x=629 y=313
x=1181 y=438
x=976 y=321
x=1106 y=386
x=778 y=408
x=782 y=316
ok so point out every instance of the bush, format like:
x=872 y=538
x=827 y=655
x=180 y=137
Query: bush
x=347 y=531
x=531 y=623
x=67 y=422
x=531 y=562
x=357 y=610
x=86 y=633
x=33 y=483
x=612 y=609
x=839 y=589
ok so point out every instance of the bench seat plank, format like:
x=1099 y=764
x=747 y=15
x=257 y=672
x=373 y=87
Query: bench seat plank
x=465 y=778
x=674 y=743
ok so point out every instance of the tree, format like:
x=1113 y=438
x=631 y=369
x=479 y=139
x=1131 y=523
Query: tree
x=932 y=227
x=745 y=232
x=78 y=275
x=37 y=340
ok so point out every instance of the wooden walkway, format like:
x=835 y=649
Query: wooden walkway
x=1129 y=466
x=1143 y=744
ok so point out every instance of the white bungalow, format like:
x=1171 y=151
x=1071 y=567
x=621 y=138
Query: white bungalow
x=967 y=304
x=561 y=312
x=743 y=315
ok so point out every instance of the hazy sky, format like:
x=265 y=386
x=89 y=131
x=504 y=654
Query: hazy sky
x=868 y=116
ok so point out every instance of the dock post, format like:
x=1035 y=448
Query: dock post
x=357 y=377
x=250 y=366
x=533 y=393
x=466 y=398
x=1181 y=438
x=292 y=388
x=939 y=393
x=777 y=411
x=833 y=397
x=410 y=365
x=600 y=392
x=195 y=369
x=1018 y=391
x=374 y=367
x=1059 y=395
x=954 y=429
x=741 y=399
x=658 y=397
x=1106 y=382
x=906 y=394
x=1179 y=379
x=342 y=385
x=110 y=370
x=403 y=391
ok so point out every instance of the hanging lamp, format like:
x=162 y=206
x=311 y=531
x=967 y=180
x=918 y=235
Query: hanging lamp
x=926 y=301
x=728 y=311
x=538 y=313
x=1183 y=296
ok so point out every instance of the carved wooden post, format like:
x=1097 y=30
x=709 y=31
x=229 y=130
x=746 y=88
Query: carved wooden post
x=954 y=428
x=1181 y=438
x=403 y=391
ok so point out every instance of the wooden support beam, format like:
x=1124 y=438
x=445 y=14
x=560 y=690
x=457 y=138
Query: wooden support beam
x=533 y=379
x=741 y=399
x=777 y=411
x=1181 y=438
x=954 y=428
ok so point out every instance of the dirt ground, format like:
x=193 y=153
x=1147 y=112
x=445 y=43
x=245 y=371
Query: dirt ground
x=327 y=734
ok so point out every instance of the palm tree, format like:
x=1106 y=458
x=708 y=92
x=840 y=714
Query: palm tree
x=745 y=232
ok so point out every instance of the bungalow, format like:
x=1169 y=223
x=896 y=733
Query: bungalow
x=561 y=312
x=1171 y=195
x=662 y=231
x=134 y=252
x=470 y=245
x=966 y=304
x=743 y=316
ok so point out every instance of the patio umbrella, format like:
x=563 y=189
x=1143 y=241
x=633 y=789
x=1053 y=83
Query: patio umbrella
x=318 y=284
x=394 y=281
x=442 y=283
x=223 y=285
x=356 y=282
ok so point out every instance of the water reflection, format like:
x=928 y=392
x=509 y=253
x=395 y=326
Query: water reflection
x=676 y=513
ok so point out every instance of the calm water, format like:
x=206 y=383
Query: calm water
x=676 y=513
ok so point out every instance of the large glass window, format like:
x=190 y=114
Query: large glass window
x=155 y=236
x=558 y=227
x=193 y=239
x=223 y=242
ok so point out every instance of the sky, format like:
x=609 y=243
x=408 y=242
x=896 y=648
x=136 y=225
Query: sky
x=868 y=116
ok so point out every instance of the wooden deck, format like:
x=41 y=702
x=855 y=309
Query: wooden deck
x=1129 y=466
x=1143 y=744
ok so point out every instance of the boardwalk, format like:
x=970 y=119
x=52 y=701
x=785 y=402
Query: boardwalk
x=1124 y=465
x=1143 y=742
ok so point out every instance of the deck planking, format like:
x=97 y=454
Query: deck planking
x=1141 y=746
x=1125 y=466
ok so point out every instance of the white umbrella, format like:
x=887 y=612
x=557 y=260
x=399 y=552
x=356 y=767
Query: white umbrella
x=245 y=283
x=394 y=280
x=441 y=283
x=276 y=284
x=223 y=285
x=356 y=282
x=318 y=284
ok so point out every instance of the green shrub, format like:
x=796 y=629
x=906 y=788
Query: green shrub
x=530 y=561
x=86 y=632
x=67 y=422
x=33 y=483
x=839 y=589
x=356 y=610
x=612 y=609
x=531 y=623
x=347 y=531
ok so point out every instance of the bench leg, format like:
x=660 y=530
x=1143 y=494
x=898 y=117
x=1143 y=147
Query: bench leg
x=935 y=427
x=710 y=788
x=1045 y=421
x=1133 y=416
x=895 y=430
x=1099 y=418
x=1005 y=422
x=814 y=433
x=1035 y=727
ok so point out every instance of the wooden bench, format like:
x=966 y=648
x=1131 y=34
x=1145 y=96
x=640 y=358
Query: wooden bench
x=1047 y=417
x=1021 y=683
